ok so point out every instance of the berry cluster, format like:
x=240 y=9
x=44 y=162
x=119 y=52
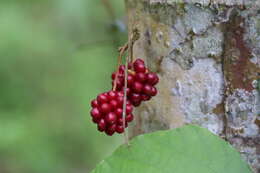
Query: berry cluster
x=107 y=111
x=107 y=108
x=140 y=82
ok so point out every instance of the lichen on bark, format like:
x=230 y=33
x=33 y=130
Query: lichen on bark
x=207 y=56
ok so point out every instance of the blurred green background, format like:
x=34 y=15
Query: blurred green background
x=55 y=56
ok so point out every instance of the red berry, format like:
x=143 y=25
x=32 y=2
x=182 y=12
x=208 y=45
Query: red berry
x=110 y=118
x=129 y=117
x=119 y=85
x=112 y=95
x=120 y=129
x=94 y=103
x=101 y=125
x=120 y=101
x=102 y=98
x=134 y=97
x=119 y=112
x=147 y=89
x=113 y=104
x=120 y=122
x=130 y=65
x=121 y=69
x=138 y=61
x=95 y=120
x=153 y=91
x=130 y=79
x=113 y=76
x=111 y=130
x=145 y=97
x=105 y=108
x=129 y=109
x=139 y=68
x=95 y=113
x=141 y=77
x=120 y=94
x=128 y=91
x=137 y=87
x=152 y=78
x=136 y=103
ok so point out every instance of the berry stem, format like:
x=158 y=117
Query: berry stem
x=135 y=36
x=121 y=50
x=124 y=104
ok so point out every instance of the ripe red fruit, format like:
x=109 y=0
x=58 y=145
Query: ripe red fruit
x=145 y=97
x=147 y=89
x=138 y=61
x=137 y=87
x=139 y=68
x=129 y=109
x=101 y=125
x=105 y=108
x=113 y=104
x=102 y=98
x=129 y=117
x=130 y=65
x=130 y=79
x=119 y=85
x=94 y=103
x=120 y=129
x=95 y=120
x=119 y=112
x=111 y=130
x=112 y=95
x=120 y=122
x=134 y=97
x=141 y=77
x=128 y=91
x=152 y=78
x=95 y=113
x=120 y=94
x=121 y=69
x=107 y=111
x=136 y=103
x=153 y=91
x=113 y=76
x=111 y=118
x=120 y=101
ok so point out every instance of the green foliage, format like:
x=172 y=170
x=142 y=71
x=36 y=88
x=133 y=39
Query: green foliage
x=53 y=61
x=183 y=150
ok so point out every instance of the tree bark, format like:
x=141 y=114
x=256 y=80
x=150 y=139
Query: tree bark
x=207 y=55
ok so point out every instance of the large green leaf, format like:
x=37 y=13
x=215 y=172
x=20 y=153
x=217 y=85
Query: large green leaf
x=190 y=149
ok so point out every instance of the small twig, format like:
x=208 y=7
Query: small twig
x=121 y=50
x=135 y=36
x=124 y=104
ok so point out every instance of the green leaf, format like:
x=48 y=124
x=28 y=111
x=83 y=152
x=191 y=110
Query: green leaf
x=190 y=149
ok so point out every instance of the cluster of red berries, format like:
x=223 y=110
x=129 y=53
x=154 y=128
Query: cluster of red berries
x=107 y=108
x=107 y=112
x=140 y=82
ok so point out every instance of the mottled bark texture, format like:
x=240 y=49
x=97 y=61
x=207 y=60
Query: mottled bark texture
x=207 y=54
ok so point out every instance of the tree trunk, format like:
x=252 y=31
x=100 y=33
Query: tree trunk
x=207 y=55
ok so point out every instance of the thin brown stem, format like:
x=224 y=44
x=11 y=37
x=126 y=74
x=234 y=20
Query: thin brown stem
x=121 y=50
x=135 y=36
x=124 y=104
